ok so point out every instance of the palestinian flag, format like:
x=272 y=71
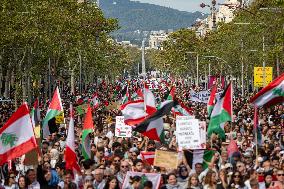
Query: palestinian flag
x=222 y=112
x=133 y=112
x=87 y=129
x=153 y=126
x=198 y=156
x=17 y=135
x=70 y=154
x=126 y=97
x=257 y=129
x=211 y=100
x=95 y=101
x=181 y=110
x=171 y=95
x=148 y=157
x=35 y=114
x=271 y=94
x=54 y=109
x=207 y=157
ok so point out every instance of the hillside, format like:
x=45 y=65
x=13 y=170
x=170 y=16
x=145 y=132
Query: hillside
x=133 y=15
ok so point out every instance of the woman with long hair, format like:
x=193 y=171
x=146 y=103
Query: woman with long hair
x=223 y=179
x=172 y=182
x=237 y=181
x=22 y=182
x=210 y=181
x=193 y=182
x=10 y=182
x=112 y=183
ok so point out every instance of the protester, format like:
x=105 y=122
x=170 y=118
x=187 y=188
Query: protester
x=257 y=161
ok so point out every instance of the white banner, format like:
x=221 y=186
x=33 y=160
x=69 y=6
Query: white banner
x=188 y=132
x=155 y=178
x=201 y=96
x=122 y=130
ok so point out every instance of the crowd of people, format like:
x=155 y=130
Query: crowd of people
x=258 y=163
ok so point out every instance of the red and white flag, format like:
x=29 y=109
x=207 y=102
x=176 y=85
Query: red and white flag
x=17 y=135
x=70 y=154
x=149 y=99
x=148 y=157
x=271 y=94
x=133 y=112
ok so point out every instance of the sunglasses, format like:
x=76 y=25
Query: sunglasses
x=280 y=174
x=124 y=166
x=237 y=176
x=116 y=160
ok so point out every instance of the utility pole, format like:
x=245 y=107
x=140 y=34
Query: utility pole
x=143 y=59
x=242 y=69
x=197 y=73
x=263 y=63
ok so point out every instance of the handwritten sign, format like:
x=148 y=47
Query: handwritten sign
x=166 y=159
x=188 y=132
x=259 y=75
x=122 y=130
x=201 y=96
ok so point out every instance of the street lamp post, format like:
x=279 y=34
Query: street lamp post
x=213 y=12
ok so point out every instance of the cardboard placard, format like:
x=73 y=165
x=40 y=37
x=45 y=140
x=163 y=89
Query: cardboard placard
x=166 y=159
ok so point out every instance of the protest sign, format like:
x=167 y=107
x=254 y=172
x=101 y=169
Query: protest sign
x=201 y=96
x=166 y=159
x=59 y=119
x=122 y=130
x=259 y=74
x=188 y=132
x=155 y=178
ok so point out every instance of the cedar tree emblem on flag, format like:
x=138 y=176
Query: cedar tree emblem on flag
x=9 y=139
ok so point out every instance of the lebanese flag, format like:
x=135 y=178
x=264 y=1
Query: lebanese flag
x=211 y=100
x=148 y=157
x=232 y=148
x=17 y=135
x=153 y=126
x=95 y=101
x=222 y=112
x=149 y=99
x=271 y=94
x=133 y=112
x=70 y=155
x=54 y=109
x=87 y=129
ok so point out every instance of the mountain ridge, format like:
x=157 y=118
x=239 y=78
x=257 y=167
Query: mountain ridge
x=134 y=15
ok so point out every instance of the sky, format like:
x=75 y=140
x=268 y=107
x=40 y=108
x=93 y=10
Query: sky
x=183 y=5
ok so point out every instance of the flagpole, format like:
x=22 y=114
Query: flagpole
x=256 y=131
